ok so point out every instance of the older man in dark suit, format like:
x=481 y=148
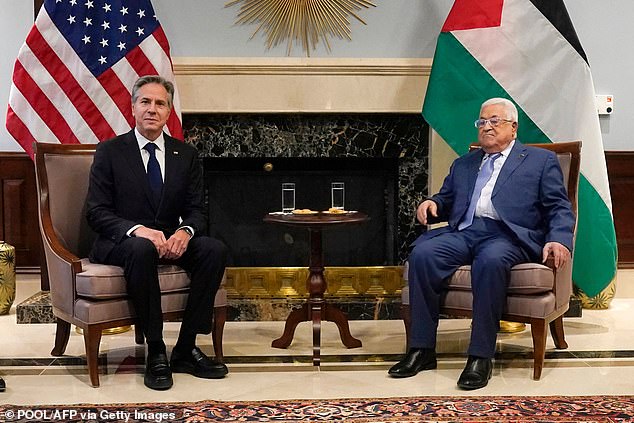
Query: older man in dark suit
x=505 y=204
x=145 y=200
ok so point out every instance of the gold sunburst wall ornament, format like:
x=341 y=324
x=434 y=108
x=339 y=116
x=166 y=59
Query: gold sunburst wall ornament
x=304 y=22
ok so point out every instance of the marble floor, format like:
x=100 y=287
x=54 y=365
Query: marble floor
x=599 y=360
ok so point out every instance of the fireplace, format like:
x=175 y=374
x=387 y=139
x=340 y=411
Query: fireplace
x=381 y=158
x=315 y=108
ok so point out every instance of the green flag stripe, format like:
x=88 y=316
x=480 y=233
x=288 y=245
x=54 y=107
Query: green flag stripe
x=595 y=254
x=458 y=85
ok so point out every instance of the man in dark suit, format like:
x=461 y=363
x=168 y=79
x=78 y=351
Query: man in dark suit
x=145 y=200
x=505 y=204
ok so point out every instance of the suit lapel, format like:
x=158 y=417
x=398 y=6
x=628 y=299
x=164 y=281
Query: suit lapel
x=516 y=157
x=172 y=164
x=473 y=169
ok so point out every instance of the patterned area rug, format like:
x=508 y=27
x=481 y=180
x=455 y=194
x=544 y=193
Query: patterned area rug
x=419 y=409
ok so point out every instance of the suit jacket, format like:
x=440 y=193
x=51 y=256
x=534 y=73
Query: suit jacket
x=119 y=194
x=529 y=197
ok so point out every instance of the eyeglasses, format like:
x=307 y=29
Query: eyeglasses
x=494 y=121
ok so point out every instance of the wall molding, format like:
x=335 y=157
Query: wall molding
x=620 y=166
x=301 y=85
x=18 y=208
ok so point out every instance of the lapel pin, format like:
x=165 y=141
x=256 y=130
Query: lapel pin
x=175 y=152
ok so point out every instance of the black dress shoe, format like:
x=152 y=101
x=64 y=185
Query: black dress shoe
x=416 y=360
x=476 y=373
x=198 y=364
x=157 y=373
x=2 y=385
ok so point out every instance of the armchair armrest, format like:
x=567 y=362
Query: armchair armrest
x=62 y=265
x=562 y=286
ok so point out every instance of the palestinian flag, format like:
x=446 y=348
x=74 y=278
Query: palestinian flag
x=528 y=51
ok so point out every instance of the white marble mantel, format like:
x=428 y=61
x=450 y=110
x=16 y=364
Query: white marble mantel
x=288 y=85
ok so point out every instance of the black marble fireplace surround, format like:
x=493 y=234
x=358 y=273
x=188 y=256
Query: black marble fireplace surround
x=385 y=149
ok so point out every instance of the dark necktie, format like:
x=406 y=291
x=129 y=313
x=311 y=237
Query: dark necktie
x=154 y=171
x=483 y=177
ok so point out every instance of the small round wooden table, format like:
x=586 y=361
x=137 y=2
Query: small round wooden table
x=316 y=309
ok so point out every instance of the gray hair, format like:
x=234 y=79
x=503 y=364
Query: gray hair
x=509 y=107
x=153 y=79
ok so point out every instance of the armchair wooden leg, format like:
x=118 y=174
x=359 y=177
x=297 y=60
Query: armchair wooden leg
x=538 y=330
x=92 y=339
x=557 y=332
x=217 y=331
x=407 y=322
x=61 y=337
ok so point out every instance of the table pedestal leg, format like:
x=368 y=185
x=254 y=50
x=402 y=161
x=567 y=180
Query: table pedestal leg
x=296 y=317
x=316 y=312
x=316 y=309
x=333 y=314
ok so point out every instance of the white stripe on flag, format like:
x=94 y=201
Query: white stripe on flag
x=126 y=73
x=26 y=114
x=54 y=93
x=82 y=74
x=555 y=89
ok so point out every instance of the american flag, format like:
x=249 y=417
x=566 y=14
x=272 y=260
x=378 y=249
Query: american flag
x=73 y=75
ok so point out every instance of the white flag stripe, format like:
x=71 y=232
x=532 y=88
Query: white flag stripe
x=82 y=74
x=557 y=85
x=57 y=96
x=25 y=113
x=126 y=74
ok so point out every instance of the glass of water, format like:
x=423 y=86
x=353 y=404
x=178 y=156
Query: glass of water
x=288 y=197
x=337 y=195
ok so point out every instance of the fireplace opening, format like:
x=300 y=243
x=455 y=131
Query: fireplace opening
x=242 y=190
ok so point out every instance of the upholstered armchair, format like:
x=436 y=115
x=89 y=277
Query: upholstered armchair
x=538 y=294
x=93 y=296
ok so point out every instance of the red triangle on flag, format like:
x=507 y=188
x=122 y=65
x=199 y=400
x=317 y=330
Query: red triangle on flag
x=471 y=14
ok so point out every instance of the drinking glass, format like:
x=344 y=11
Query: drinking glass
x=288 y=197
x=337 y=195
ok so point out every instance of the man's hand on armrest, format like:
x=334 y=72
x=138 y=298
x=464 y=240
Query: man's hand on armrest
x=427 y=206
x=559 y=252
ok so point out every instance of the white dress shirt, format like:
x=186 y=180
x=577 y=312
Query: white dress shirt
x=485 y=208
x=159 y=152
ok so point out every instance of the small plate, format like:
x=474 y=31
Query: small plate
x=303 y=212
x=342 y=212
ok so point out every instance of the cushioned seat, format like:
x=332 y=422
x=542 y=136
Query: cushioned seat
x=88 y=295
x=523 y=279
x=102 y=282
